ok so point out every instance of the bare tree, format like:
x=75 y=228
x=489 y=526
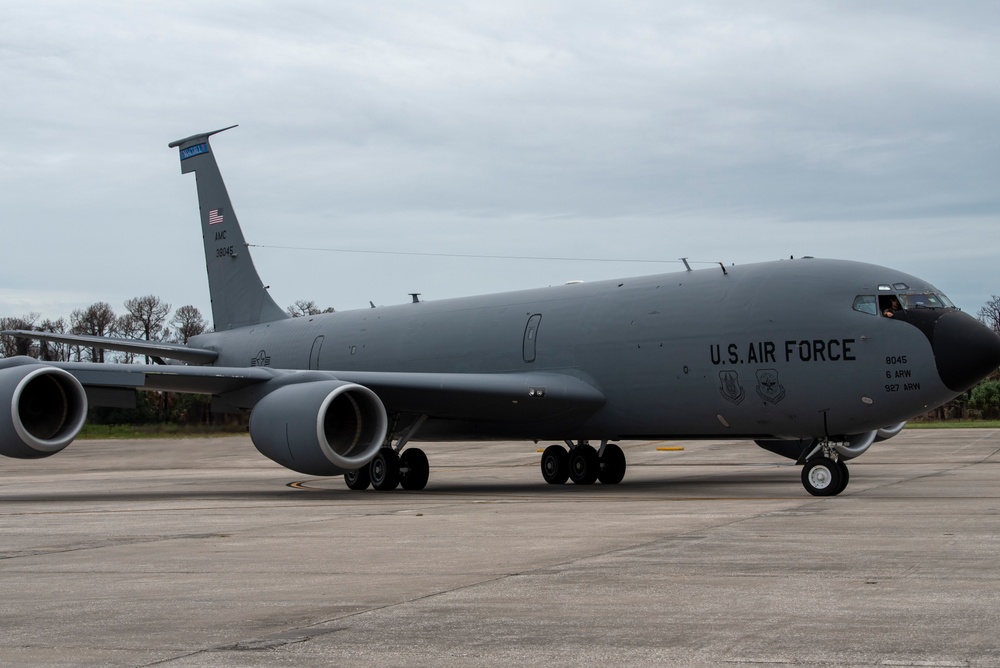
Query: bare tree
x=187 y=322
x=53 y=352
x=128 y=327
x=11 y=346
x=98 y=319
x=304 y=307
x=149 y=313
x=990 y=313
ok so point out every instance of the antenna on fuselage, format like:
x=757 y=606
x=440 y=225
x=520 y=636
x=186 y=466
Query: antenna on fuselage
x=686 y=265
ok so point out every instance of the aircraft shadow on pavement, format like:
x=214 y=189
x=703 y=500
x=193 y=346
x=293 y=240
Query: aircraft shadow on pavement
x=746 y=483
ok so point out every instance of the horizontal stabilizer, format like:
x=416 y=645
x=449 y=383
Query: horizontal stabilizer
x=175 y=351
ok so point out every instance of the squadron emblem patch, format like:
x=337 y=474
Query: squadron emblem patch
x=768 y=387
x=730 y=387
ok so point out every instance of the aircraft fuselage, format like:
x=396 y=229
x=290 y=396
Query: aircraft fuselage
x=771 y=350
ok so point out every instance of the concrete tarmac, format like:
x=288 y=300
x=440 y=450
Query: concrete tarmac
x=200 y=552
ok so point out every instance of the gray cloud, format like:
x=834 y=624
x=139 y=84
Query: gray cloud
x=718 y=131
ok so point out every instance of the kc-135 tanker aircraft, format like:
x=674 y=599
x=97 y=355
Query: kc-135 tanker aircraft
x=815 y=360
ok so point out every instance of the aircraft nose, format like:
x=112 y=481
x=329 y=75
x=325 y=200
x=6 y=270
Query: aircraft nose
x=965 y=350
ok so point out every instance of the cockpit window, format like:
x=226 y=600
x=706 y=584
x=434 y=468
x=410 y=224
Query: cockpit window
x=924 y=300
x=866 y=304
x=889 y=305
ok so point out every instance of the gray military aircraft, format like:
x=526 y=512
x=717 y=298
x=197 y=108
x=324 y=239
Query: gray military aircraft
x=813 y=359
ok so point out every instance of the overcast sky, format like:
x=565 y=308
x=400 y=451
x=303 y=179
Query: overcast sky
x=642 y=131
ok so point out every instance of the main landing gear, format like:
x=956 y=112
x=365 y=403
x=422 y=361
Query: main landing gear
x=387 y=470
x=391 y=468
x=583 y=464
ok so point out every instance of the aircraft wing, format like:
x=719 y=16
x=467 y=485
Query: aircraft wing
x=176 y=351
x=170 y=378
x=492 y=397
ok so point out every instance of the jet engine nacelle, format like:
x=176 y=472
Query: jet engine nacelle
x=319 y=427
x=42 y=409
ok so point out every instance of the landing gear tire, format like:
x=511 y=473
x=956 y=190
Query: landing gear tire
x=845 y=476
x=822 y=477
x=384 y=469
x=555 y=465
x=413 y=469
x=359 y=479
x=611 y=469
x=583 y=465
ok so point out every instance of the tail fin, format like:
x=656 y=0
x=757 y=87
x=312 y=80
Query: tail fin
x=239 y=298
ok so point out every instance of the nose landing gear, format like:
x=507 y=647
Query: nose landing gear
x=825 y=474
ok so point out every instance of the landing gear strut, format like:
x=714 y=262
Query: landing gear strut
x=583 y=464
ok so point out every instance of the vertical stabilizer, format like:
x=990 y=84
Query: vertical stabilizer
x=239 y=298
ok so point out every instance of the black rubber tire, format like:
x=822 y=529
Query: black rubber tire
x=359 y=479
x=413 y=469
x=583 y=465
x=555 y=465
x=612 y=465
x=384 y=469
x=821 y=477
x=845 y=476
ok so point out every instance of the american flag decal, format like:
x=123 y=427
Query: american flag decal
x=215 y=216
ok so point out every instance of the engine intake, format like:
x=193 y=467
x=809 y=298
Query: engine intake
x=319 y=427
x=42 y=409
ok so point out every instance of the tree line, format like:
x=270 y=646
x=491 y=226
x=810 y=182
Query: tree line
x=147 y=318
x=984 y=397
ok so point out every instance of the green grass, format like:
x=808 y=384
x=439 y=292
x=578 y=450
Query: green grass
x=955 y=424
x=135 y=431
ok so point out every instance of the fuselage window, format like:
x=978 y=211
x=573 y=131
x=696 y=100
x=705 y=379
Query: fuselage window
x=866 y=304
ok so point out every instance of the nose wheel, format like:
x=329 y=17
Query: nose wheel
x=824 y=477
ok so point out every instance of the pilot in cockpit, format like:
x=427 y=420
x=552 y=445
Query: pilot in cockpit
x=892 y=307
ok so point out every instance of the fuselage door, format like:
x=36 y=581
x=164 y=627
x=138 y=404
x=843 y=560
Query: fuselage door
x=530 y=338
x=314 y=353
